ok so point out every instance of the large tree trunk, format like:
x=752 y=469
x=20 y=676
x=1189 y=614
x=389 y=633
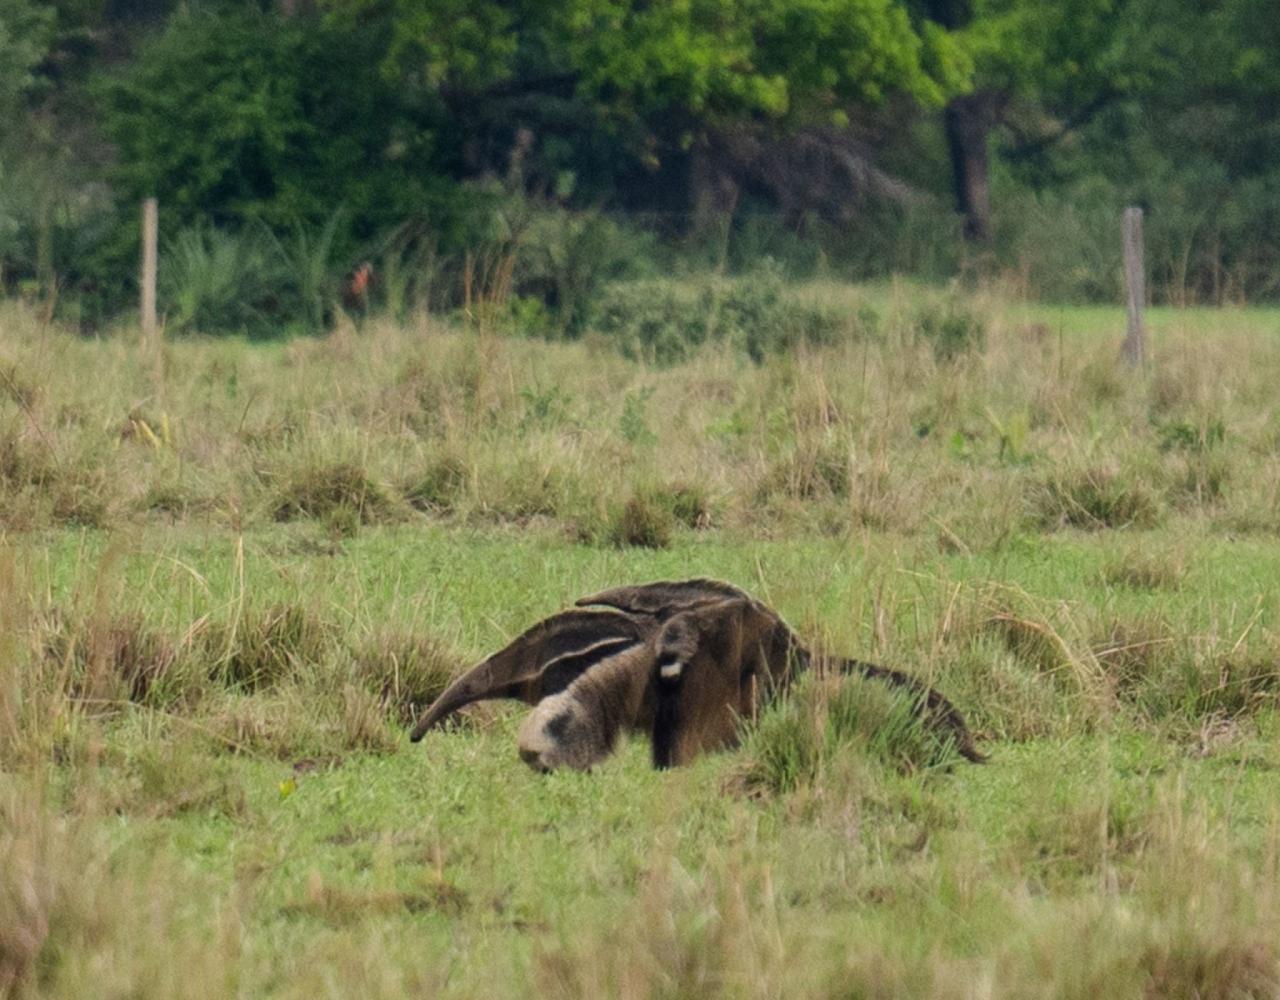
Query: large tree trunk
x=968 y=122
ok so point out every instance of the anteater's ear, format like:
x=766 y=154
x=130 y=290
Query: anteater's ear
x=665 y=597
x=542 y=660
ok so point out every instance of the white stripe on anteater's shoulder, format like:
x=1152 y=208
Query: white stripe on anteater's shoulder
x=542 y=660
x=591 y=653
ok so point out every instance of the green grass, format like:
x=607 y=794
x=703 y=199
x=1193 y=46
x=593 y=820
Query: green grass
x=228 y=584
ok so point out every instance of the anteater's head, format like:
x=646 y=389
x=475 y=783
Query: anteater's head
x=560 y=732
x=579 y=726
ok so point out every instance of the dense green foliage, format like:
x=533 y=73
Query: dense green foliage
x=862 y=138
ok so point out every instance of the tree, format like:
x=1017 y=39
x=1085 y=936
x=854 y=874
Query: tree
x=648 y=82
x=26 y=31
x=253 y=116
x=1055 y=62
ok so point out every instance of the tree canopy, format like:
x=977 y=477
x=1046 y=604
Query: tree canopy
x=864 y=116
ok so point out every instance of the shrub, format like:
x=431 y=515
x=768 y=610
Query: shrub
x=950 y=328
x=324 y=491
x=567 y=257
x=796 y=739
x=643 y=521
x=665 y=324
x=213 y=281
x=651 y=321
x=1095 y=498
x=759 y=318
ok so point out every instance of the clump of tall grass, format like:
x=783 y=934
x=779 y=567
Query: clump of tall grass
x=42 y=483
x=1197 y=678
x=527 y=486
x=108 y=658
x=710 y=932
x=950 y=327
x=440 y=486
x=651 y=513
x=795 y=741
x=406 y=670
x=643 y=522
x=81 y=918
x=816 y=468
x=257 y=648
x=1095 y=497
x=1139 y=567
x=301 y=719
x=332 y=491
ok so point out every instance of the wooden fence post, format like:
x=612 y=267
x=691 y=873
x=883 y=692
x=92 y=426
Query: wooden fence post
x=1134 y=350
x=150 y=235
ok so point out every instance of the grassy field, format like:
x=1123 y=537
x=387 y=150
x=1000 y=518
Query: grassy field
x=231 y=574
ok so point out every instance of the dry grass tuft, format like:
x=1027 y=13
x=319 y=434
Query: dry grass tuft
x=406 y=670
x=1194 y=967
x=1133 y=651
x=78 y=917
x=1094 y=498
x=815 y=469
x=262 y=647
x=119 y=656
x=441 y=486
x=1139 y=569
x=338 y=905
x=643 y=522
x=329 y=491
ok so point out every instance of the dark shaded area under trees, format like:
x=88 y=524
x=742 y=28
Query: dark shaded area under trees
x=534 y=150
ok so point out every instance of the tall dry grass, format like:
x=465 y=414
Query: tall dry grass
x=1022 y=430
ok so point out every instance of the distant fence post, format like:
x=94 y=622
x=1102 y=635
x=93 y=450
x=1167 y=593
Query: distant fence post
x=1134 y=350
x=150 y=235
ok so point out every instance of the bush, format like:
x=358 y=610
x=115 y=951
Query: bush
x=300 y=128
x=567 y=257
x=1094 y=498
x=325 y=491
x=795 y=740
x=665 y=323
x=212 y=281
x=652 y=321
x=950 y=328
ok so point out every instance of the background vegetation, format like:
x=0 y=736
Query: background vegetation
x=553 y=147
